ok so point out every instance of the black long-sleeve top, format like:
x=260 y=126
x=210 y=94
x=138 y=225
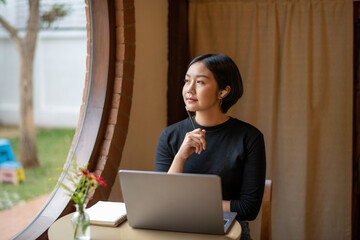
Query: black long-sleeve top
x=235 y=151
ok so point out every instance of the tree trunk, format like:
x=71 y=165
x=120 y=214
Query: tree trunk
x=28 y=151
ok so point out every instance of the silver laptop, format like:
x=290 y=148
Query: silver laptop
x=174 y=202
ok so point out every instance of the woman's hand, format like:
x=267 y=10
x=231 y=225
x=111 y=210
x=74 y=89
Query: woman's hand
x=194 y=141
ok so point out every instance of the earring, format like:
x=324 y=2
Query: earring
x=221 y=101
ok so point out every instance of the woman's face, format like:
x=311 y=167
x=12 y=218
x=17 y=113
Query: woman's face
x=200 y=91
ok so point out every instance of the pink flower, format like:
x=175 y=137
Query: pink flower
x=84 y=182
x=101 y=181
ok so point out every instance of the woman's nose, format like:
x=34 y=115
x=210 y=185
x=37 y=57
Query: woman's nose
x=190 y=87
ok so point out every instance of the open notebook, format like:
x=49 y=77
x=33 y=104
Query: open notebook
x=174 y=202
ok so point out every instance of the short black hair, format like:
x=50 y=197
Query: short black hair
x=226 y=73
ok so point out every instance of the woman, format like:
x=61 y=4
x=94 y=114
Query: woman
x=220 y=144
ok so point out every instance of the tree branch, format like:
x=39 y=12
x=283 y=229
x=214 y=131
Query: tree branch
x=12 y=31
x=32 y=25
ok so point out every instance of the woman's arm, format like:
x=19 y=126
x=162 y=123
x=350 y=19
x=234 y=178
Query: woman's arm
x=164 y=153
x=252 y=182
x=194 y=141
x=170 y=159
x=177 y=164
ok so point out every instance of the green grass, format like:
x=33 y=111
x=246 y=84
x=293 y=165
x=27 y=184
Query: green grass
x=53 y=146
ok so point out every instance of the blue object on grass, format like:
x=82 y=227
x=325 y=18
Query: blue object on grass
x=6 y=152
x=11 y=165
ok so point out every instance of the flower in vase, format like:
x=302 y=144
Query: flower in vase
x=83 y=182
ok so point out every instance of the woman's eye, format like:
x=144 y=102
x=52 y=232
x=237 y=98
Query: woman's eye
x=186 y=80
x=200 y=82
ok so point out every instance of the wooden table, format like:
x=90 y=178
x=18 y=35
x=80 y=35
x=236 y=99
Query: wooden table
x=62 y=230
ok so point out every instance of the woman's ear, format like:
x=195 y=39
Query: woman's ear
x=223 y=93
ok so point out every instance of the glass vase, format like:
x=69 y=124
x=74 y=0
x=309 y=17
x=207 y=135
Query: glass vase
x=81 y=223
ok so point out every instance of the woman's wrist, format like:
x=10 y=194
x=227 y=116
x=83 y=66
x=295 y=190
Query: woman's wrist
x=226 y=206
x=180 y=158
x=178 y=164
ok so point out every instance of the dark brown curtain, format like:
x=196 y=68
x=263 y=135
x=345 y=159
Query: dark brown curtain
x=178 y=58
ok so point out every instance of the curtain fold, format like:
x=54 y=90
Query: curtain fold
x=295 y=57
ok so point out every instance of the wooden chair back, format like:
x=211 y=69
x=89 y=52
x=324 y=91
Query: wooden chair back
x=266 y=212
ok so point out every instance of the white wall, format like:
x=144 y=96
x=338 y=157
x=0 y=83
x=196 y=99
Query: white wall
x=9 y=84
x=60 y=73
x=59 y=78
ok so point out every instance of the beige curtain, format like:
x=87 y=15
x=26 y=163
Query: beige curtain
x=295 y=57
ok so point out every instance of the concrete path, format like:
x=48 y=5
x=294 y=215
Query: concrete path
x=14 y=219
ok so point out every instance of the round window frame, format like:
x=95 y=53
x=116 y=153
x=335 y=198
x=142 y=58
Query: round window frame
x=105 y=111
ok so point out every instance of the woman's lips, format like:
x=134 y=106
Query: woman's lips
x=191 y=100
